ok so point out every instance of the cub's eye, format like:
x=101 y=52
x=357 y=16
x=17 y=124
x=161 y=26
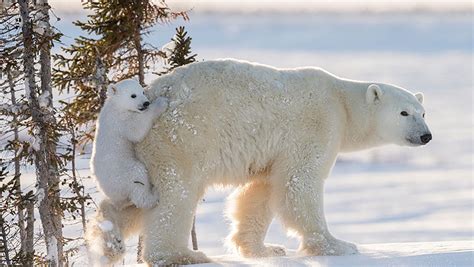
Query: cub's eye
x=423 y=115
x=404 y=113
x=134 y=95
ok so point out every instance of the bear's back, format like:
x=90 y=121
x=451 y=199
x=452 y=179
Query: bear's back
x=230 y=78
x=236 y=105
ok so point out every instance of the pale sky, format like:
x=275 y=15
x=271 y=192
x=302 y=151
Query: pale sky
x=298 y=5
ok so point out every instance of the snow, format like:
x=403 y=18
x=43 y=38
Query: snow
x=13 y=109
x=6 y=3
x=455 y=253
x=40 y=27
x=25 y=136
x=39 y=196
x=384 y=199
x=168 y=48
x=52 y=249
x=414 y=254
x=34 y=141
x=44 y=99
x=6 y=108
x=27 y=88
x=106 y=226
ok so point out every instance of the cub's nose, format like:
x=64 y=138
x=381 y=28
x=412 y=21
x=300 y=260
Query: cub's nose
x=146 y=104
x=425 y=138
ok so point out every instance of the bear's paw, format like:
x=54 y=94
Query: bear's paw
x=274 y=251
x=329 y=247
x=176 y=258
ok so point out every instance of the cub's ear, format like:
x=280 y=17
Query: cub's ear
x=420 y=97
x=374 y=93
x=111 y=90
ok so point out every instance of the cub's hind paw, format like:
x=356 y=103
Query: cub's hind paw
x=142 y=197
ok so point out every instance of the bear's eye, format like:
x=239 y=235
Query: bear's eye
x=134 y=95
x=404 y=113
x=423 y=115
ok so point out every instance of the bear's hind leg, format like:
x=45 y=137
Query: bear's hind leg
x=251 y=217
x=167 y=226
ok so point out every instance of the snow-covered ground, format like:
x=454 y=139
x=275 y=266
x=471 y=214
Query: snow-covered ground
x=457 y=253
x=387 y=195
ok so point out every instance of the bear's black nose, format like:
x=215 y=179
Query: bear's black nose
x=425 y=138
x=146 y=104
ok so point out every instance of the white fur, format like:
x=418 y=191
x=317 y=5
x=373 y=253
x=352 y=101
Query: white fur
x=107 y=231
x=122 y=122
x=276 y=134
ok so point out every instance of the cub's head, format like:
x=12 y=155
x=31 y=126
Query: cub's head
x=128 y=95
x=399 y=115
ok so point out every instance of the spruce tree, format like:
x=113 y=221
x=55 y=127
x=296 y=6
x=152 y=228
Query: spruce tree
x=180 y=53
x=15 y=119
x=37 y=37
x=115 y=52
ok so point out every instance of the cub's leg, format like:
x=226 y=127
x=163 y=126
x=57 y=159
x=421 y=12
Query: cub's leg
x=107 y=232
x=251 y=216
x=142 y=194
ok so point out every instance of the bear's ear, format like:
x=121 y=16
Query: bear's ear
x=111 y=90
x=373 y=94
x=420 y=97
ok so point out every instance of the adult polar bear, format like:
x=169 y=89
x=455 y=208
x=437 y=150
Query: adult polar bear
x=275 y=133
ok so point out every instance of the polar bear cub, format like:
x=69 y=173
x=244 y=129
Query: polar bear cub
x=125 y=119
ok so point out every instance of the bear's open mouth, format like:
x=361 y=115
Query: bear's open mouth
x=143 y=108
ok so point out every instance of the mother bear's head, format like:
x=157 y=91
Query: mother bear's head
x=399 y=115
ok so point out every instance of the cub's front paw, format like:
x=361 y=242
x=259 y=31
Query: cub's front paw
x=160 y=105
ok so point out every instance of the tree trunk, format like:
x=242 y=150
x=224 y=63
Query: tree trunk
x=140 y=57
x=30 y=234
x=100 y=77
x=193 y=235
x=16 y=163
x=49 y=165
x=43 y=123
x=137 y=39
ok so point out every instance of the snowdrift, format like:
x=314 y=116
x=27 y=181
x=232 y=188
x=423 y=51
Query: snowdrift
x=449 y=253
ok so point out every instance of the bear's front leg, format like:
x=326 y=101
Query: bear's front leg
x=299 y=201
x=167 y=226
